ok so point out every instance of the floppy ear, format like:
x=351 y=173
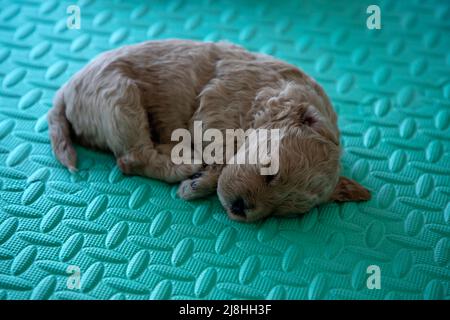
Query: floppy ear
x=349 y=190
x=310 y=117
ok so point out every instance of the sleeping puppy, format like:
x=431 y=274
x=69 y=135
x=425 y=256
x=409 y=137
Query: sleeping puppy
x=129 y=101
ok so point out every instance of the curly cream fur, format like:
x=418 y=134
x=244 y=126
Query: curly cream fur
x=130 y=100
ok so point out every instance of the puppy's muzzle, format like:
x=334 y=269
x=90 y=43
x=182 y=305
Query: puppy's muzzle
x=238 y=208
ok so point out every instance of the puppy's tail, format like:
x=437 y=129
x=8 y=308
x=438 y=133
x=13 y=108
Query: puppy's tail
x=59 y=130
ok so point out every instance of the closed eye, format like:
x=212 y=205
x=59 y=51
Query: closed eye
x=269 y=178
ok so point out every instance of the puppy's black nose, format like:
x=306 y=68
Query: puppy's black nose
x=238 y=207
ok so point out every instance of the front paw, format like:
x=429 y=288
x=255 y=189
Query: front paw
x=188 y=189
x=195 y=187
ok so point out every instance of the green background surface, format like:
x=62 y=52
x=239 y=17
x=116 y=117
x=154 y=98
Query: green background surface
x=132 y=238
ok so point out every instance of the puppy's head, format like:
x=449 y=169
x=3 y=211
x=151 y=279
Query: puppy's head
x=308 y=162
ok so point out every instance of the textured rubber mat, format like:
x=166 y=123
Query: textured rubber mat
x=132 y=238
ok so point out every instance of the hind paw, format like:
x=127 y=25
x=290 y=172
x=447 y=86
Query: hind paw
x=126 y=163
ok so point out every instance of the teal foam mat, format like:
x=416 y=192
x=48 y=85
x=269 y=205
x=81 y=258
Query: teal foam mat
x=132 y=238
